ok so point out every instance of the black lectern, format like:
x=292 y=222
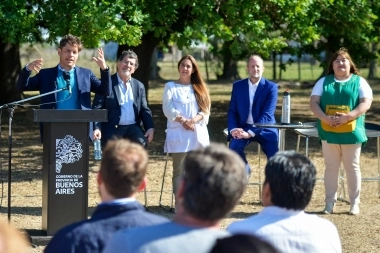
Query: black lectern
x=65 y=165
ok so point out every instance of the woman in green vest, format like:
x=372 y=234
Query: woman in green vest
x=340 y=101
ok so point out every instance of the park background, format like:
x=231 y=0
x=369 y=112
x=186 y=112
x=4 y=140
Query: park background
x=358 y=233
x=230 y=30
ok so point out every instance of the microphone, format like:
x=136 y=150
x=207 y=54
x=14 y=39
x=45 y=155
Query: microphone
x=66 y=76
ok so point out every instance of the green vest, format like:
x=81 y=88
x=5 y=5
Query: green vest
x=342 y=93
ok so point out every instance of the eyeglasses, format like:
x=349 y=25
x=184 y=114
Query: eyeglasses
x=344 y=60
x=132 y=64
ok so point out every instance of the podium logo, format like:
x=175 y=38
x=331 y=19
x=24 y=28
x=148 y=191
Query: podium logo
x=67 y=150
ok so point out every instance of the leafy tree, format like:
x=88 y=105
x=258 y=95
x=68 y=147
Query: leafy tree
x=17 y=24
x=27 y=21
x=238 y=26
x=344 y=23
x=245 y=26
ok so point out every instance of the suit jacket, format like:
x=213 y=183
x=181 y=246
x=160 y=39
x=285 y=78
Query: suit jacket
x=263 y=107
x=92 y=235
x=45 y=81
x=111 y=103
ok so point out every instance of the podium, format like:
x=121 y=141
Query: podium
x=65 y=165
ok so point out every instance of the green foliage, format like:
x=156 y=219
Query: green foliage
x=18 y=21
x=249 y=26
x=93 y=21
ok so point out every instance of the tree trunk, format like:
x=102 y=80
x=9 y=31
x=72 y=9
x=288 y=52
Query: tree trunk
x=372 y=64
x=230 y=71
x=144 y=52
x=10 y=68
x=274 y=55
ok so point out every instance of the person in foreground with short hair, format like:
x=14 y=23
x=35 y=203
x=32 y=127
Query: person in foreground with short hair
x=289 y=182
x=122 y=173
x=241 y=243
x=213 y=182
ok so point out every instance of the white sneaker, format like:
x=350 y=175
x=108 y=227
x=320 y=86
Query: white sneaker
x=354 y=210
x=328 y=208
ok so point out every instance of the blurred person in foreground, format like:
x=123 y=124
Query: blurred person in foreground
x=253 y=100
x=186 y=104
x=242 y=244
x=340 y=101
x=213 y=182
x=122 y=173
x=126 y=104
x=288 y=186
x=79 y=81
x=12 y=240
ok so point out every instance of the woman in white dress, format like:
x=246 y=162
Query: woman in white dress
x=186 y=104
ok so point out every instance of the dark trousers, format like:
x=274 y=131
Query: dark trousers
x=132 y=132
x=269 y=147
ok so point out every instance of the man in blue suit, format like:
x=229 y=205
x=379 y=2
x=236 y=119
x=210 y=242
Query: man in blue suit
x=122 y=173
x=126 y=104
x=253 y=100
x=80 y=82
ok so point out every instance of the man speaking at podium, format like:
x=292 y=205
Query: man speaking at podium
x=77 y=82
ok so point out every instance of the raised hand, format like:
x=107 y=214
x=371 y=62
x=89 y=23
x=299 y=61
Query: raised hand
x=35 y=65
x=100 y=59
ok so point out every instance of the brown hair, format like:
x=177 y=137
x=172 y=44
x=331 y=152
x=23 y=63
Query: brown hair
x=344 y=52
x=71 y=40
x=123 y=167
x=200 y=87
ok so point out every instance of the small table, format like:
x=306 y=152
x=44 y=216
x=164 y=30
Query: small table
x=282 y=128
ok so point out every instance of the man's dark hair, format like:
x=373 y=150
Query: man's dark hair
x=130 y=54
x=214 y=180
x=71 y=40
x=241 y=243
x=291 y=178
x=123 y=167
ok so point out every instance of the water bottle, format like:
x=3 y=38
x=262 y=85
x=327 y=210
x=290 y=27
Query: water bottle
x=285 y=116
x=97 y=150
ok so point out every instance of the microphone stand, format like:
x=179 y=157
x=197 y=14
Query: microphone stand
x=11 y=107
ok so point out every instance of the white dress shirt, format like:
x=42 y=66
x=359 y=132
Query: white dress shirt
x=291 y=231
x=252 y=91
x=127 y=116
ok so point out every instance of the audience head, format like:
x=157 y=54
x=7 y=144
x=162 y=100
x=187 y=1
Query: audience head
x=71 y=40
x=200 y=87
x=290 y=178
x=11 y=240
x=213 y=182
x=240 y=243
x=123 y=167
x=344 y=56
